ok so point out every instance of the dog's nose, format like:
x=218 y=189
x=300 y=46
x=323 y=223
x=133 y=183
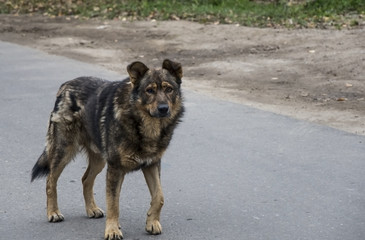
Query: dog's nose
x=163 y=108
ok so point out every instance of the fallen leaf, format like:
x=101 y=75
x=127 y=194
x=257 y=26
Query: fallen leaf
x=101 y=27
x=341 y=99
x=174 y=17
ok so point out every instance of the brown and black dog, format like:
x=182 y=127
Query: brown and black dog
x=126 y=124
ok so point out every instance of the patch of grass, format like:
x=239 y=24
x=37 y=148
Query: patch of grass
x=337 y=7
x=263 y=13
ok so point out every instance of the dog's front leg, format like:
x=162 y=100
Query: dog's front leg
x=152 y=176
x=114 y=181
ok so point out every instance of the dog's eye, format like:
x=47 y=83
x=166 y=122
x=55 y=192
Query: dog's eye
x=168 y=89
x=150 y=90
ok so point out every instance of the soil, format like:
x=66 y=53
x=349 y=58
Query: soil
x=309 y=74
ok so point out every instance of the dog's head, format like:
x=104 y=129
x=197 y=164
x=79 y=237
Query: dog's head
x=156 y=91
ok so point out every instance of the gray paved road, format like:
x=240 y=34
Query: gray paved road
x=231 y=172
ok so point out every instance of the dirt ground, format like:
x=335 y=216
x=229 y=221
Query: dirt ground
x=313 y=75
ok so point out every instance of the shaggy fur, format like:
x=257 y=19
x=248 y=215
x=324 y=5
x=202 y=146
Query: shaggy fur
x=126 y=125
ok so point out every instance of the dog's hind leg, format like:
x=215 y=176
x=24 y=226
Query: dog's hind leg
x=152 y=176
x=59 y=158
x=61 y=148
x=96 y=164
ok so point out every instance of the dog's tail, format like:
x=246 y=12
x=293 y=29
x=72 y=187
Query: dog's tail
x=41 y=168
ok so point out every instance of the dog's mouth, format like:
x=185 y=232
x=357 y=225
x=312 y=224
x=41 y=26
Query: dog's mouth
x=160 y=115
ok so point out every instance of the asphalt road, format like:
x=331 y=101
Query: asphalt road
x=231 y=172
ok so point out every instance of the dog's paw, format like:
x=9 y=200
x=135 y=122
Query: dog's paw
x=55 y=216
x=153 y=227
x=113 y=233
x=95 y=212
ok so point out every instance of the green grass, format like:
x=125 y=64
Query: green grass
x=310 y=13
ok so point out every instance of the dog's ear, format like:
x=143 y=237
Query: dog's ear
x=174 y=69
x=136 y=71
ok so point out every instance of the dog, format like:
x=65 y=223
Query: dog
x=125 y=124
